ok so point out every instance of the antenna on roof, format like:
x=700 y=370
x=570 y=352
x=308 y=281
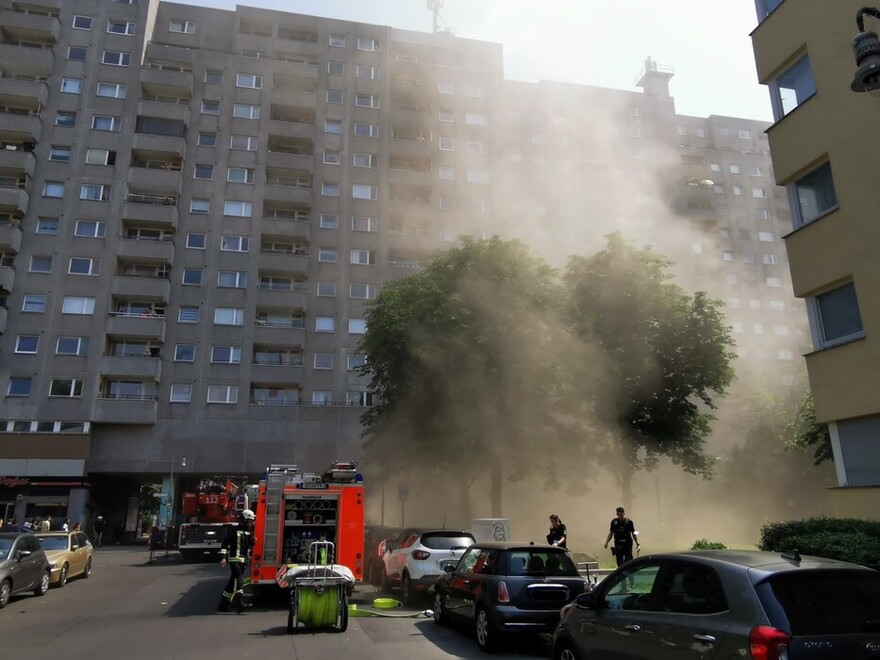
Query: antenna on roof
x=435 y=6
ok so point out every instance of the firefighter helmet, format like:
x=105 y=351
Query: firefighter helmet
x=246 y=515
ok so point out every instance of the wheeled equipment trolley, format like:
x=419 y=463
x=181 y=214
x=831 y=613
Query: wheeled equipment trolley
x=319 y=591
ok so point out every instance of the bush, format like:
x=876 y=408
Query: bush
x=846 y=539
x=706 y=544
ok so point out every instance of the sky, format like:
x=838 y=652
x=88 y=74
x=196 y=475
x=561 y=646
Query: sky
x=589 y=42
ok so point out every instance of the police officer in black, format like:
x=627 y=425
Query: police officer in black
x=624 y=533
x=236 y=548
x=558 y=532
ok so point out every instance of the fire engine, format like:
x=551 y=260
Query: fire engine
x=296 y=508
x=210 y=510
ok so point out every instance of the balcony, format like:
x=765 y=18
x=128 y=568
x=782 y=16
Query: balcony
x=29 y=89
x=171 y=56
x=296 y=295
x=278 y=334
x=293 y=97
x=139 y=367
x=145 y=288
x=274 y=222
x=166 y=83
x=7 y=277
x=10 y=236
x=20 y=160
x=125 y=410
x=135 y=326
x=4 y=313
x=30 y=27
x=289 y=160
x=28 y=61
x=152 y=106
x=14 y=199
x=146 y=250
x=283 y=261
x=161 y=182
x=154 y=210
x=20 y=121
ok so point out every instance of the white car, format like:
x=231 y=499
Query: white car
x=418 y=557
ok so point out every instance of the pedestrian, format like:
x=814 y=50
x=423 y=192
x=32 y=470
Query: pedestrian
x=624 y=533
x=65 y=526
x=76 y=526
x=98 y=526
x=46 y=524
x=28 y=525
x=234 y=551
x=558 y=531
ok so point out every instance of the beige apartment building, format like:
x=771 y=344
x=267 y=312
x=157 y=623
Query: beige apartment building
x=197 y=204
x=824 y=151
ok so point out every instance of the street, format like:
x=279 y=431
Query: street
x=167 y=610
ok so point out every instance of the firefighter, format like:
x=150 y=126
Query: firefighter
x=235 y=550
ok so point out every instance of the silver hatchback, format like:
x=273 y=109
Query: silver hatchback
x=726 y=604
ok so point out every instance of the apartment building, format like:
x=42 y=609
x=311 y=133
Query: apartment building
x=824 y=153
x=196 y=205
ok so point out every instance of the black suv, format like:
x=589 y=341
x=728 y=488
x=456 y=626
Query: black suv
x=726 y=604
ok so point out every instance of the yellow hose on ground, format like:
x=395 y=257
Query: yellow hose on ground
x=318 y=609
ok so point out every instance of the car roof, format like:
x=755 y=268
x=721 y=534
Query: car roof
x=436 y=530
x=769 y=562
x=519 y=545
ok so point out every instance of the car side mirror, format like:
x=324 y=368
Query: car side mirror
x=23 y=553
x=74 y=547
x=449 y=568
x=585 y=601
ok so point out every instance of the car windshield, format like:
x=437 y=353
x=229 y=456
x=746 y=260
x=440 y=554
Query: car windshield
x=829 y=603
x=541 y=562
x=5 y=547
x=447 y=541
x=53 y=542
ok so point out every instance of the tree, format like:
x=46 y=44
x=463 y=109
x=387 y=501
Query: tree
x=665 y=358
x=461 y=358
x=805 y=431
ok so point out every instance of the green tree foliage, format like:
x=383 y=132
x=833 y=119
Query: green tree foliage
x=805 y=432
x=847 y=539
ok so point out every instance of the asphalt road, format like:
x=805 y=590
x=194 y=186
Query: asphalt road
x=130 y=608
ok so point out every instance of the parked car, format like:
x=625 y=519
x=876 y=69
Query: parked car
x=726 y=604
x=502 y=588
x=417 y=557
x=23 y=566
x=69 y=555
x=376 y=538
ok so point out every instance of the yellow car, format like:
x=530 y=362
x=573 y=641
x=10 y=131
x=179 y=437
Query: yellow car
x=69 y=555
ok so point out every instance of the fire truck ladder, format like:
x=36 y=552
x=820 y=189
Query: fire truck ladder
x=275 y=480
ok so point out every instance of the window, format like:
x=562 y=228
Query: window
x=234 y=243
x=766 y=236
x=111 y=90
x=90 y=228
x=199 y=205
x=329 y=221
x=366 y=130
x=361 y=291
x=474 y=91
x=84 y=266
x=447 y=203
x=107 y=123
x=94 y=192
x=749 y=257
x=225 y=355
x=244 y=111
x=207 y=139
x=771 y=259
x=447 y=115
x=366 y=101
x=66 y=387
x=185 y=353
x=196 y=241
x=116 y=58
x=72 y=346
x=734 y=168
x=238 y=209
x=210 y=107
x=61 y=154
x=333 y=126
x=19 y=387
x=228 y=316
x=476 y=119
x=773 y=282
x=364 y=257
x=447 y=144
x=723 y=131
x=184 y=27
x=368 y=72
x=446 y=173
x=744 y=134
x=364 y=160
x=838 y=314
x=27 y=344
x=336 y=68
x=100 y=157
x=445 y=87
x=477 y=176
x=232 y=279
x=249 y=80
x=356 y=361
x=323 y=360
x=357 y=326
x=736 y=190
x=364 y=191
x=78 y=305
x=762 y=214
x=815 y=193
x=243 y=143
x=48 y=226
x=240 y=175
x=192 y=277
x=330 y=189
x=322 y=397
x=759 y=193
x=213 y=77
x=203 y=171
x=180 y=393
x=777 y=305
x=223 y=394
x=82 y=22
x=793 y=87
x=332 y=157
x=33 y=303
x=40 y=264
x=64 y=118
x=71 y=86
x=188 y=314
x=700 y=132
x=327 y=255
x=327 y=289
x=364 y=223
x=121 y=27
x=757 y=170
x=366 y=43
x=337 y=40
x=335 y=96
x=475 y=147
x=727 y=255
x=325 y=324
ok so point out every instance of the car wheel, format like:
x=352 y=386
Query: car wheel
x=406 y=591
x=5 y=593
x=87 y=571
x=441 y=616
x=43 y=587
x=62 y=576
x=487 y=635
x=564 y=650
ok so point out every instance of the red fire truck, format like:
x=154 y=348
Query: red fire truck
x=295 y=509
x=209 y=511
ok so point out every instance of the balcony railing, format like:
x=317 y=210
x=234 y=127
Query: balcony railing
x=276 y=363
x=158 y=200
x=297 y=324
x=9 y=75
x=298 y=287
x=128 y=397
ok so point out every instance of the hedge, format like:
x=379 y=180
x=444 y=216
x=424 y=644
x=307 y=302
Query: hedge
x=847 y=539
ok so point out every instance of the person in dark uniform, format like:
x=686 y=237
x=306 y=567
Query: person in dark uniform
x=234 y=551
x=624 y=533
x=558 y=532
